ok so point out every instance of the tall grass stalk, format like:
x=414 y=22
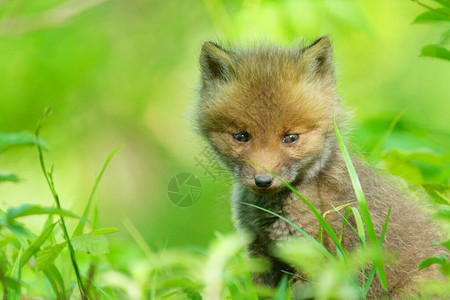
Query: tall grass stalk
x=368 y=224
x=79 y=229
x=49 y=179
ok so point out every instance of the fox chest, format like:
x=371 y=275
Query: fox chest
x=269 y=227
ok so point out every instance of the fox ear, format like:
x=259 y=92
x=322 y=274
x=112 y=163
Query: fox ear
x=215 y=63
x=317 y=59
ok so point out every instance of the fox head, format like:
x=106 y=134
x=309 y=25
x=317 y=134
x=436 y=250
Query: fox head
x=269 y=110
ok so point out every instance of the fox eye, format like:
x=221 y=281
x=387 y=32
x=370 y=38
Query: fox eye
x=241 y=137
x=290 y=138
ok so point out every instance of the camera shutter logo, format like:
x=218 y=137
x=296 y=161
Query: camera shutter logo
x=184 y=189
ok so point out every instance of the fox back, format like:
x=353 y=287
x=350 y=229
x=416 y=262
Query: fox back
x=269 y=110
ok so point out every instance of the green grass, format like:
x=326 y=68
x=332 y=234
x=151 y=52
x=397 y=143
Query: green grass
x=220 y=272
x=120 y=79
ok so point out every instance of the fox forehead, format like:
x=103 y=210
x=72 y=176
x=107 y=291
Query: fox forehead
x=269 y=108
x=266 y=89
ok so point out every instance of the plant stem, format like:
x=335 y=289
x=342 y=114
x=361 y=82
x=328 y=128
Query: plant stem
x=432 y=9
x=49 y=178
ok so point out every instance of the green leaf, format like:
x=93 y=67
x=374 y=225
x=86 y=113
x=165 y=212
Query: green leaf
x=8 y=177
x=56 y=281
x=16 y=273
x=91 y=243
x=21 y=233
x=359 y=226
x=105 y=230
x=401 y=166
x=47 y=256
x=79 y=229
x=9 y=140
x=432 y=16
x=281 y=293
x=428 y=158
x=436 y=51
x=362 y=204
x=445 y=3
x=443 y=214
x=431 y=261
x=34 y=247
x=438 y=192
x=336 y=209
x=30 y=210
x=376 y=151
x=310 y=238
x=372 y=269
x=445 y=39
x=445 y=244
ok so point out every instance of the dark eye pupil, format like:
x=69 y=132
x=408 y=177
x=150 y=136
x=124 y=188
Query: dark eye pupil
x=241 y=137
x=290 y=138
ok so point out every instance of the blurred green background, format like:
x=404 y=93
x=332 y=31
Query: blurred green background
x=121 y=71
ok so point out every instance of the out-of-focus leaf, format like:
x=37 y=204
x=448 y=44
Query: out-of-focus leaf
x=12 y=284
x=439 y=192
x=30 y=210
x=445 y=39
x=9 y=140
x=431 y=261
x=56 y=281
x=34 y=247
x=376 y=151
x=16 y=273
x=445 y=244
x=432 y=16
x=194 y=295
x=282 y=289
x=8 y=177
x=443 y=214
x=79 y=229
x=91 y=243
x=21 y=233
x=406 y=170
x=417 y=167
x=445 y=3
x=47 y=256
x=428 y=158
x=436 y=51
x=105 y=230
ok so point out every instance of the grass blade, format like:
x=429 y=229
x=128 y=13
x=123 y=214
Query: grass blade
x=15 y=273
x=56 y=281
x=246 y=280
x=359 y=226
x=34 y=247
x=372 y=270
x=281 y=293
x=362 y=204
x=34 y=210
x=318 y=216
x=336 y=209
x=310 y=238
x=136 y=235
x=79 y=229
x=376 y=151
x=49 y=179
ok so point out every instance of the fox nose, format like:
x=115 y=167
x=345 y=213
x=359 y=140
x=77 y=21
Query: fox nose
x=263 y=181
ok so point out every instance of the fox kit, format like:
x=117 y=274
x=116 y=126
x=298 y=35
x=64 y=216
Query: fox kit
x=274 y=107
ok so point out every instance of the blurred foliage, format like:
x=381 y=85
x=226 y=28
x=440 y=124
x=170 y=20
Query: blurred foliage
x=126 y=72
